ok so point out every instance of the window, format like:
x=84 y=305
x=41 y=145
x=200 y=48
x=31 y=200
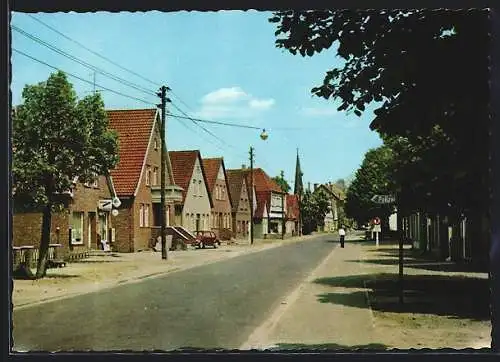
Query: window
x=155 y=176
x=77 y=227
x=148 y=176
x=95 y=183
x=156 y=144
x=195 y=188
x=141 y=216
x=199 y=189
x=146 y=215
x=223 y=196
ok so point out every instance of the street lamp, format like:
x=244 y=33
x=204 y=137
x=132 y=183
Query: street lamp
x=263 y=136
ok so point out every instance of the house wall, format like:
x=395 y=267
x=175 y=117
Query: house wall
x=221 y=212
x=140 y=236
x=27 y=225
x=124 y=225
x=241 y=218
x=197 y=202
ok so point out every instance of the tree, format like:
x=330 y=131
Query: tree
x=373 y=177
x=56 y=139
x=421 y=69
x=314 y=207
x=282 y=183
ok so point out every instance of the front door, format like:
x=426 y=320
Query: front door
x=103 y=227
x=197 y=222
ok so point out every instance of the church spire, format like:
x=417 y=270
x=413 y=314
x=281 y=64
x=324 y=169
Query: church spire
x=298 y=187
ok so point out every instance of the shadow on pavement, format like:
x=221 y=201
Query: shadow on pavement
x=431 y=265
x=453 y=296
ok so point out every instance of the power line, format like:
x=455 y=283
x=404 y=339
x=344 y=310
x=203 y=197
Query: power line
x=213 y=122
x=93 y=52
x=82 y=62
x=80 y=78
x=203 y=128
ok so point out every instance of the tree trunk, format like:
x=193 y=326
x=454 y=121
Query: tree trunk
x=43 y=251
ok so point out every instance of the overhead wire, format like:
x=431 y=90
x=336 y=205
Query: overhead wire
x=82 y=79
x=82 y=62
x=92 y=51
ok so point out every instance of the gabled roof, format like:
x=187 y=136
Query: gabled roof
x=212 y=167
x=261 y=180
x=235 y=179
x=333 y=190
x=263 y=200
x=183 y=167
x=135 y=128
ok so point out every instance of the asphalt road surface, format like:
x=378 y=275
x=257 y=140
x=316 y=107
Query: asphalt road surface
x=213 y=306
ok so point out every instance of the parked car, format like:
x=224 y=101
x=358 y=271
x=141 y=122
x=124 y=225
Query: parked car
x=206 y=238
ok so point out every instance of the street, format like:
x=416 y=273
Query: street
x=213 y=306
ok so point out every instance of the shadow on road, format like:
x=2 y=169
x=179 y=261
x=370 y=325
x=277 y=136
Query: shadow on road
x=453 y=296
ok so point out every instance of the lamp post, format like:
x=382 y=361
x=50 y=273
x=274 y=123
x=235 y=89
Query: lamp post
x=263 y=136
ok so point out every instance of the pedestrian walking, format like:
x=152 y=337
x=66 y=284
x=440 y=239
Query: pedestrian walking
x=342 y=236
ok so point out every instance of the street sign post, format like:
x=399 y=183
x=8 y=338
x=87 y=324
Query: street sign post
x=377 y=228
x=383 y=199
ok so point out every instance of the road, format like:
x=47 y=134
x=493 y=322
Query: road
x=212 y=306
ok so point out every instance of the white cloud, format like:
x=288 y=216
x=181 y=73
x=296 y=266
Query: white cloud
x=261 y=103
x=319 y=111
x=224 y=95
x=232 y=103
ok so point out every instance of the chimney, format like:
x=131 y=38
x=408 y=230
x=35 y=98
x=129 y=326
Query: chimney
x=315 y=186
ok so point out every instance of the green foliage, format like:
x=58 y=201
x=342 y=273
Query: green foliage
x=373 y=177
x=283 y=184
x=427 y=74
x=57 y=138
x=314 y=207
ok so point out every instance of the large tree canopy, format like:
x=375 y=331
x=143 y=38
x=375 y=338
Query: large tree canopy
x=427 y=74
x=57 y=138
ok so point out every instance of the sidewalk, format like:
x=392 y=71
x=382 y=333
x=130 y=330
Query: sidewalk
x=99 y=272
x=351 y=302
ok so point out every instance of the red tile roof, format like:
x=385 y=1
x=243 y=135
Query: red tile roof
x=261 y=180
x=235 y=179
x=134 y=129
x=212 y=167
x=182 y=168
x=263 y=200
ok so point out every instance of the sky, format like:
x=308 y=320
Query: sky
x=221 y=66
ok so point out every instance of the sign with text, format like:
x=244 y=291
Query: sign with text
x=105 y=205
x=383 y=199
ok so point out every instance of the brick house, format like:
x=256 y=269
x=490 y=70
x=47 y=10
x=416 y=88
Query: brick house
x=193 y=213
x=221 y=217
x=270 y=205
x=292 y=214
x=83 y=223
x=137 y=178
x=241 y=213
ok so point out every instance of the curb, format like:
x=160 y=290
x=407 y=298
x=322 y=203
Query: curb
x=140 y=278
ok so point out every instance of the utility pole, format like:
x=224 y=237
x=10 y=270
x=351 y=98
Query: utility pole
x=163 y=96
x=251 y=195
x=282 y=174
